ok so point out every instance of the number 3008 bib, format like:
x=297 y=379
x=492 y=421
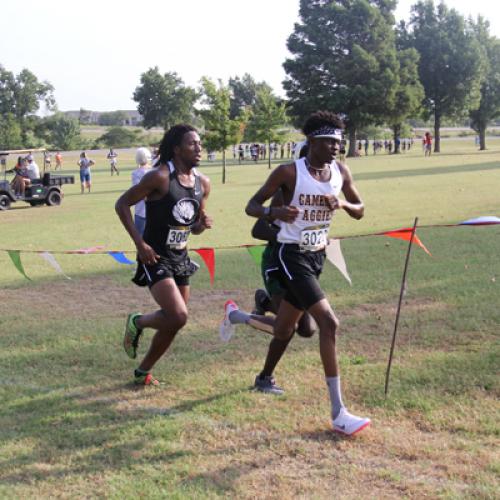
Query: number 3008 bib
x=177 y=237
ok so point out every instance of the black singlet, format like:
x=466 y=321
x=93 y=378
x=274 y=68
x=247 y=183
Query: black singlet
x=169 y=220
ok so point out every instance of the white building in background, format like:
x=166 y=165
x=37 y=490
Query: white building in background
x=134 y=118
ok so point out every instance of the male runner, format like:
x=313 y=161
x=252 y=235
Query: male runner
x=310 y=188
x=175 y=207
x=267 y=300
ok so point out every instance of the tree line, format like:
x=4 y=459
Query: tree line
x=346 y=55
x=350 y=56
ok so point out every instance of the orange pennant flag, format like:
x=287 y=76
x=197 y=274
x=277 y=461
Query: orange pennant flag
x=405 y=234
x=208 y=256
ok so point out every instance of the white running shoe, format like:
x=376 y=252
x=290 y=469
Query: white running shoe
x=226 y=328
x=348 y=424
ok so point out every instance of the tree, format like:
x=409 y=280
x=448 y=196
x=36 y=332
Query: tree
x=85 y=116
x=63 y=132
x=220 y=130
x=409 y=93
x=120 y=137
x=112 y=118
x=164 y=100
x=489 y=104
x=21 y=96
x=451 y=62
x=244 y=93
x=10 y=132
x=344 y=61
x=266 y=116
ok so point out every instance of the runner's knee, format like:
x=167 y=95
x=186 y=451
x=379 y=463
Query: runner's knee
x=307 y=327
x=282 y=333
x=174 y=320
x=328 y=325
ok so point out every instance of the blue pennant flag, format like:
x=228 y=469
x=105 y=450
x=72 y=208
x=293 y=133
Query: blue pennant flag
x=120 y=257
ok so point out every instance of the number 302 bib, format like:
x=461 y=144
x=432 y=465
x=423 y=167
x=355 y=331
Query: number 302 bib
x=313 y=238
x=177 y=237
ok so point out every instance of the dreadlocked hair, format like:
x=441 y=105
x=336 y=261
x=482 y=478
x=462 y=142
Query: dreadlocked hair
x=171 y=139
x=320 y=119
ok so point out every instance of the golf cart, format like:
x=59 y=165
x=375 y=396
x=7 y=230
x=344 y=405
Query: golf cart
x=46 y=190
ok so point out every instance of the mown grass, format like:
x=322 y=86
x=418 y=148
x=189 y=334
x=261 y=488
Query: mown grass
x=72 y=425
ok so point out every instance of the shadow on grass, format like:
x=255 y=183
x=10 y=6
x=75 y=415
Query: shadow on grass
x=452 y=169
x=82 y=432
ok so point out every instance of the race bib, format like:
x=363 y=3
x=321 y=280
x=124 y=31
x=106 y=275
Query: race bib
x=177 y=238
x=313 y=239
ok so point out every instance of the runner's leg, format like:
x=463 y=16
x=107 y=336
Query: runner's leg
x=167 y=321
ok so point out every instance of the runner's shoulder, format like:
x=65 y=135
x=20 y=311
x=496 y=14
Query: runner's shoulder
x=344 y=169
x=157 y=175
x=286 y=168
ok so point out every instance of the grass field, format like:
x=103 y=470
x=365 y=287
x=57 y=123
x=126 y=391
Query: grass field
x=72 y=425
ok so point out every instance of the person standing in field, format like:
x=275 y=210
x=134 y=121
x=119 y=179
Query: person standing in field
x=176 y=195
x=113 y=162
x=47 y=160
x=311 y=188
x=143 y=161
x=59 y=161
x=85 y=177
x=427 y=144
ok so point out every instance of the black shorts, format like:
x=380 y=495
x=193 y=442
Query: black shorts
x=299 y=272
x=178 y=267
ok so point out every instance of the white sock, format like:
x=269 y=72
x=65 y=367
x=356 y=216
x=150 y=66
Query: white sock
x=333 y=384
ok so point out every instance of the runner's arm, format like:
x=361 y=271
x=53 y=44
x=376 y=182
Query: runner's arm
x=204 y=220
x=353 y=204
x=147 y=185
x=264 y=229
x=279 y=178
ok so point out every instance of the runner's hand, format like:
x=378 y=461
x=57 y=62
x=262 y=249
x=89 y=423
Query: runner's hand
x=286 y=213
x=205 y=220
x=333 y=202
x=147 y=255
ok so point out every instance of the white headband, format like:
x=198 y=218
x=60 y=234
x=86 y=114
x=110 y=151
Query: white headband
x=327 y=133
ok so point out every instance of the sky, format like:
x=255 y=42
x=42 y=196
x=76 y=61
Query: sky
x=94 y=52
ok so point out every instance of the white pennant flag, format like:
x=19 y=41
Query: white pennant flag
x=334 y=255
x=53 y=262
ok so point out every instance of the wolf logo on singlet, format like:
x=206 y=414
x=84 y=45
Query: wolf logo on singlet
x=168 y=226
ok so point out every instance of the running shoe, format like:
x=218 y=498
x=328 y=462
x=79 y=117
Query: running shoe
x=145 y=379
x=268 y=385
x=348 y=424
x=226 y=328
x=132 y=335
x=261 y=298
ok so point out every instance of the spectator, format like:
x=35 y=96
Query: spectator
x=143 y=161
x=21 y=180
x=427 y=144
x=85 y=163
x=59 y=161
x=33 y=169
x=47 y=160
x=112 y=157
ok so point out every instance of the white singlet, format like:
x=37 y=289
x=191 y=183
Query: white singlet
x=310 y=228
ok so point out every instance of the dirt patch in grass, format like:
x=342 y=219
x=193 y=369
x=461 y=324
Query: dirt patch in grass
x=104 y=296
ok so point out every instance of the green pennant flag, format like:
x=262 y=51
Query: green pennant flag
x=15 y=256
x=256 y=253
